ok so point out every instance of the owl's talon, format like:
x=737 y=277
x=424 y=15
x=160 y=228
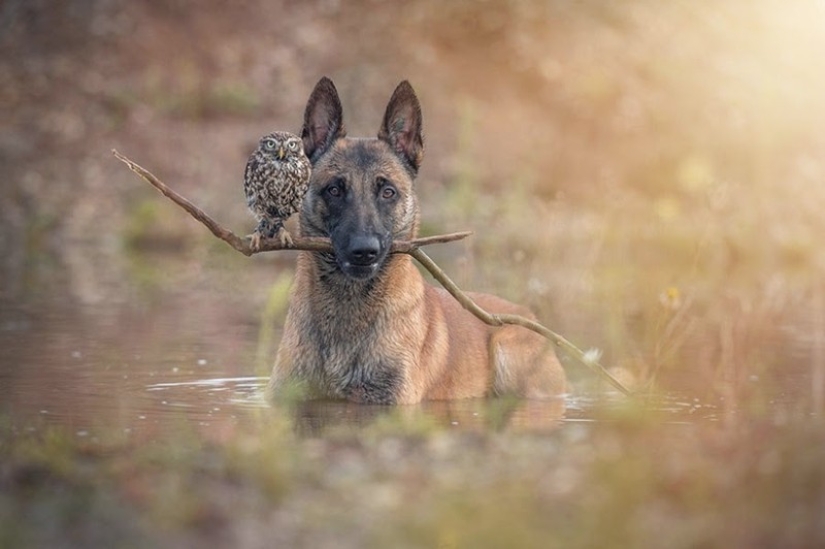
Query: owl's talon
x=255 y=241
x=285 y=238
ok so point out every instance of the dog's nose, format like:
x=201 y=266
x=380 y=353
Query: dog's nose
x=363 y=250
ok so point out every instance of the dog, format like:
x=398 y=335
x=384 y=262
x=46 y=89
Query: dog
x=362 y=325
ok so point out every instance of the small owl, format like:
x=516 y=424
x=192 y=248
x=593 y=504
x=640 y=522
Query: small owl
x=275 y=181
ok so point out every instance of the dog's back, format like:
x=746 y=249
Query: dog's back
x=362 y=324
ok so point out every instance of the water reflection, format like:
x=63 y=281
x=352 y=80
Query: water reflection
x=318 y=417
x=189 y=354
x=223 y=403
x=241 y=391
x=204 y=399
x=144 y=371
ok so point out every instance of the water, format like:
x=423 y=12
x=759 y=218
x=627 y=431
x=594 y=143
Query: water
x=152 y=373
x=140 y=344
x=139 y=370
x=97 y=368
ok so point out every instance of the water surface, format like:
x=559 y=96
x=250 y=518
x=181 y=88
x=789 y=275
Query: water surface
x=144 y=369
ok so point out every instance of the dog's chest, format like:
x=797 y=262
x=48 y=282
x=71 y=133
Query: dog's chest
x=356 y=365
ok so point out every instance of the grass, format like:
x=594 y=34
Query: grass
x=274 y=311
x=151 y=225
x=631 y=480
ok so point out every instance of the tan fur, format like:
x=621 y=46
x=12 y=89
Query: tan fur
x=388 y=337
x=443 y=351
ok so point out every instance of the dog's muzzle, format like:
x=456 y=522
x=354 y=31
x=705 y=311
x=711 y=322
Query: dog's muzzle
x=362 y=257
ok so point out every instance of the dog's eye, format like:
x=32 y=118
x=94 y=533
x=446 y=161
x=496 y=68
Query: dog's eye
x=334 y=191
x=385 y=188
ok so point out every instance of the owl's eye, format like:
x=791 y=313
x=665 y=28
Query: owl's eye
x=270 y=144
x=293 y=145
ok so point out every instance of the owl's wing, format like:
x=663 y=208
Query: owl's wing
x=249 y=171
x=305 y=169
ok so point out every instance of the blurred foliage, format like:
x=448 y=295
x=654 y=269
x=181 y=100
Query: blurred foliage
x=647 y=176
x=274 y=311
x=151 y=224
x=625 y=481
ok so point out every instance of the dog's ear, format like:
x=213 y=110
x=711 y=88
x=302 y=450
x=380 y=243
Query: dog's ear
x=402 y=126
x=323 y=119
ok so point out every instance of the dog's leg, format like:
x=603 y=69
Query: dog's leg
x=525 y=365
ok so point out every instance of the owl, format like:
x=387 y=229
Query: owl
x=275 y=181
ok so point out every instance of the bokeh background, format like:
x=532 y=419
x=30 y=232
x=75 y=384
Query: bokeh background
x=647 y=176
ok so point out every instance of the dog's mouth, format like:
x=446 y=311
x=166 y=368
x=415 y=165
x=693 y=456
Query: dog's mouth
x=354 y=271
x=359 y=272
x=361 y=257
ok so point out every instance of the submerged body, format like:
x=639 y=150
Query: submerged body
x=362 y=324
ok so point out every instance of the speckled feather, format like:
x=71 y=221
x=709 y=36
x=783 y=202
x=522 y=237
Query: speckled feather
x=274 y=186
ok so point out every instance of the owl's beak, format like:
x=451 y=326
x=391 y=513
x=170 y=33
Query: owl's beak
x=281 y=153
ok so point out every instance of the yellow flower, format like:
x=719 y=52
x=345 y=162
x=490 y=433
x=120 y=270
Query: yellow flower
x=671 y=298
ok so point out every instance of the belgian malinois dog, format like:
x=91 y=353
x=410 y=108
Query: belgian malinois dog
x=362 y=325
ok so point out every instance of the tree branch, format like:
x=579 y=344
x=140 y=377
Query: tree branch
x=499 y=320
x=411 y=247
x=242 y=245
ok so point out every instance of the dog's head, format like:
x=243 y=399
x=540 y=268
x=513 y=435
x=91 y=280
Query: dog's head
x=361 y=192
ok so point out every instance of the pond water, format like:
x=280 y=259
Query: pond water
x=131 y=413
x=186 y=359
x=142 y=343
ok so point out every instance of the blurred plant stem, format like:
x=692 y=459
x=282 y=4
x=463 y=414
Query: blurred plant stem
x=818 y=351
x=276 y=302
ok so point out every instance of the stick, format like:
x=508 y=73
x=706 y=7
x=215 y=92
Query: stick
x=309 y=244
x=411 y=247
x=499 y=320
